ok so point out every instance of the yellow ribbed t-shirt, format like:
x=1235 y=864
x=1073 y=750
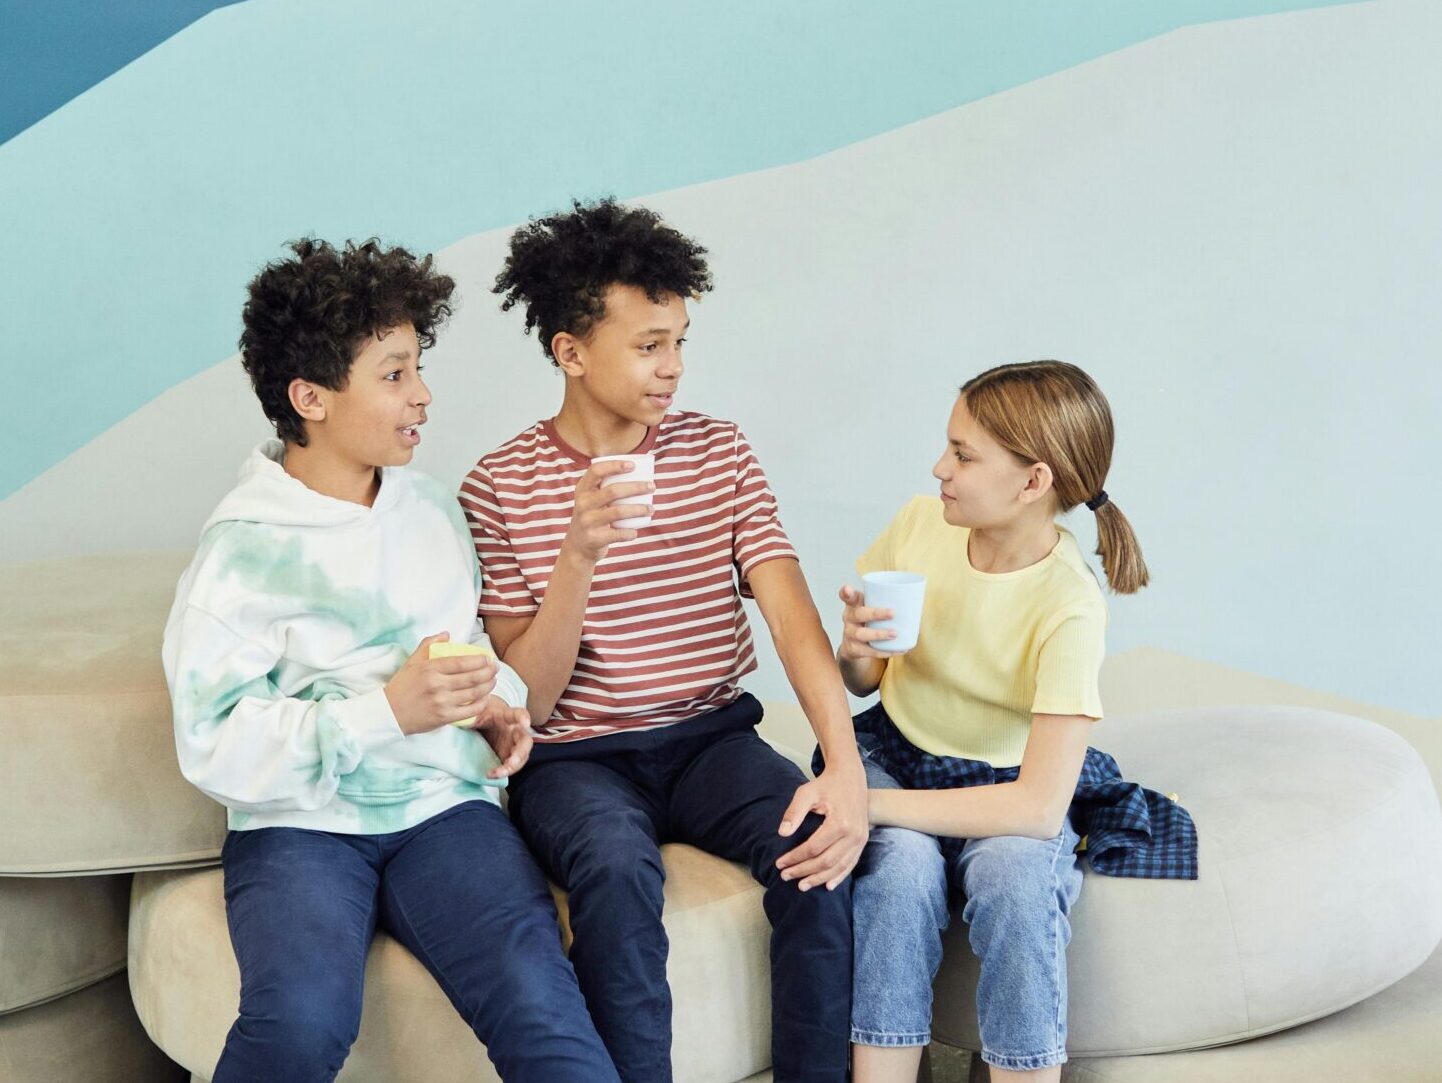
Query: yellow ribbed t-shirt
x=994 y=649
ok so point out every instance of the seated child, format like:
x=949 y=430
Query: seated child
x=977 y=760
x=306 y=702
x=634 y=643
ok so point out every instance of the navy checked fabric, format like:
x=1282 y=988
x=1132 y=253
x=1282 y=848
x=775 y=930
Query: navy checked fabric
x=1129 y=831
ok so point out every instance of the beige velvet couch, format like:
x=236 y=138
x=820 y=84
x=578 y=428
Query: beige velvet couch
x=90 y=794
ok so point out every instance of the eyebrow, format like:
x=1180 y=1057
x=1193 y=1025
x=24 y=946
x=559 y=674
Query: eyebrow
x=652 y=332
x=402 y=355
x=961 y=444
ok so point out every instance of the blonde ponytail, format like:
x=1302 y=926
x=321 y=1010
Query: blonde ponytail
x=1120 y=552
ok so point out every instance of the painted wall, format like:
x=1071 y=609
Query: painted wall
x=1228 y=220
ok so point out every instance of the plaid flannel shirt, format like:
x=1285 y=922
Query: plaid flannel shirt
x=1127 y=830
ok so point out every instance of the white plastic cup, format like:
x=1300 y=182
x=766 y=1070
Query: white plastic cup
x=643 y=470
x=902 y=593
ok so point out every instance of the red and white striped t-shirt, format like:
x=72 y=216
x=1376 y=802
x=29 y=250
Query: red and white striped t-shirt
x=665 y=637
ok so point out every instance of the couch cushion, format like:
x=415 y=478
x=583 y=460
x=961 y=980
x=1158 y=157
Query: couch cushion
x=90 y=1036
x=1320 y=885
x=59 y=935
x=1389 y=1037
x=90 y=782
x=186 y=983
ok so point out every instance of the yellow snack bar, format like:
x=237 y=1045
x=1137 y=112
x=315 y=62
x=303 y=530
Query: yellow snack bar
x=448 y=649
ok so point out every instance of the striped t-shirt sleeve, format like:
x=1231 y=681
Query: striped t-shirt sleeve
x=757 y=535
x=504 y=592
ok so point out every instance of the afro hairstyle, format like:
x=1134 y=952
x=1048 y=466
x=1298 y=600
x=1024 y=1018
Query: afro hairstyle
x=560 y=266
x=307 y=316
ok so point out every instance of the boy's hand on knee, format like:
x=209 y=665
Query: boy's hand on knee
x=427 y=693
x=830 y=854
x=507 y=730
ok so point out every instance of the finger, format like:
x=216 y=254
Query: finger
x=424 y=649
x=818 y=870
x=850 y=595
x=824 y=838
x=801 y=804
x=599 y=472
x=865 y=614
x=463 y=664
x=871 y=635
x=614 y=512
x=811 y=848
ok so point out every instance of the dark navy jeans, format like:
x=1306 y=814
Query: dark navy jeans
x=596 y=812
x=459 y=890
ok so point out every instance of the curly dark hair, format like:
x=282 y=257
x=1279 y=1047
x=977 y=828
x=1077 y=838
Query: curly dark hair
x=307 y=316
x=561 y=266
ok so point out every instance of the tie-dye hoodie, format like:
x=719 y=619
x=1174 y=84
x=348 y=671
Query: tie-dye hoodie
x=286 y=626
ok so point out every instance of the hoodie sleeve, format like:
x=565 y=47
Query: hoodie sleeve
x=509 y=685
x=246 y=745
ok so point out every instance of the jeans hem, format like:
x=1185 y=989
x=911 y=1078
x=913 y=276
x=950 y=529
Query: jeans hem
x=890 y=1038
x=1028 y=1062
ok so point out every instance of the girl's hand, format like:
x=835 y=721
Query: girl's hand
x=593 y=530
x=856 y=638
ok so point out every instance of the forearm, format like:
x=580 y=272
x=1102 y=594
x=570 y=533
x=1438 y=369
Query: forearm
x=862 y=676
x=544 y=655
x=971 y=812
x=805 y=654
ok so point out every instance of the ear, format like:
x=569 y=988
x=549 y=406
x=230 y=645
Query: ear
x=1039 y=481
x=306 y=400
x=569 y=352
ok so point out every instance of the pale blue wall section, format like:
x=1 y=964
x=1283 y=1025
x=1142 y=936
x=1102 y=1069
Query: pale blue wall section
x=133 y=216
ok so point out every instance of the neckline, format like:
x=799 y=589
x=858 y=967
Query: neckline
x=1031 y=569
x=548 y=429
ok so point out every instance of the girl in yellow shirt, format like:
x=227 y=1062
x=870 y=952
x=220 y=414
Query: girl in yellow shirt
x=978 y=767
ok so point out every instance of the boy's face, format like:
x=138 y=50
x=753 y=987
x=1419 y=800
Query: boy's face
x=375 y=420
x=630 y=365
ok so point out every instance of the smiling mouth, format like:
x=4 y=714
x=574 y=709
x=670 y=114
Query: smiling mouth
x=412 y=433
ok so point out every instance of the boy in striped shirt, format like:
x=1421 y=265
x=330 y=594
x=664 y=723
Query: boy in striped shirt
x=633 y=644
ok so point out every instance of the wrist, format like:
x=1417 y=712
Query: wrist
x=574 y=559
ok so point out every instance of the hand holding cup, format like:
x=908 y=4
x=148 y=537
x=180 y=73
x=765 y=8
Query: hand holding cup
x=605 y=499
x=857 y=637
x=891 y=610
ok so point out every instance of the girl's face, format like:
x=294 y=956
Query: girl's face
x=982 y=484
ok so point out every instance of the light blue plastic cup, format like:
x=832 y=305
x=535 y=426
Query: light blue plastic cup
x=902 y=593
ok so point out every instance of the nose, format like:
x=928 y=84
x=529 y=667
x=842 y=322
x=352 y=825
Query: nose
x=671 y=365
x=942 y=470
x=422 y=396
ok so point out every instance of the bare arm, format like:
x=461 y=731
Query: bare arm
x=839 y=795
x=542 y=647
x=1033 y=806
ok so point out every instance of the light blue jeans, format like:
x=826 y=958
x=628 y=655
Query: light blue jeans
x=1018 y=894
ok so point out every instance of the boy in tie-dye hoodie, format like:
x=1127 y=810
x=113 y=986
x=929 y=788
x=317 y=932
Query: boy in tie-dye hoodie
x=360 y=775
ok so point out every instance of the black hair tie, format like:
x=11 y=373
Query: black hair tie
x=1097 y=501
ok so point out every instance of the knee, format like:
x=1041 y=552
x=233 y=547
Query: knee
x=1012 y=873
x=616 y=867
x=310 y=1026
x=901 y=873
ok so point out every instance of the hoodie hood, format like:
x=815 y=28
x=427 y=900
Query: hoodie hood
x=265 y=493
